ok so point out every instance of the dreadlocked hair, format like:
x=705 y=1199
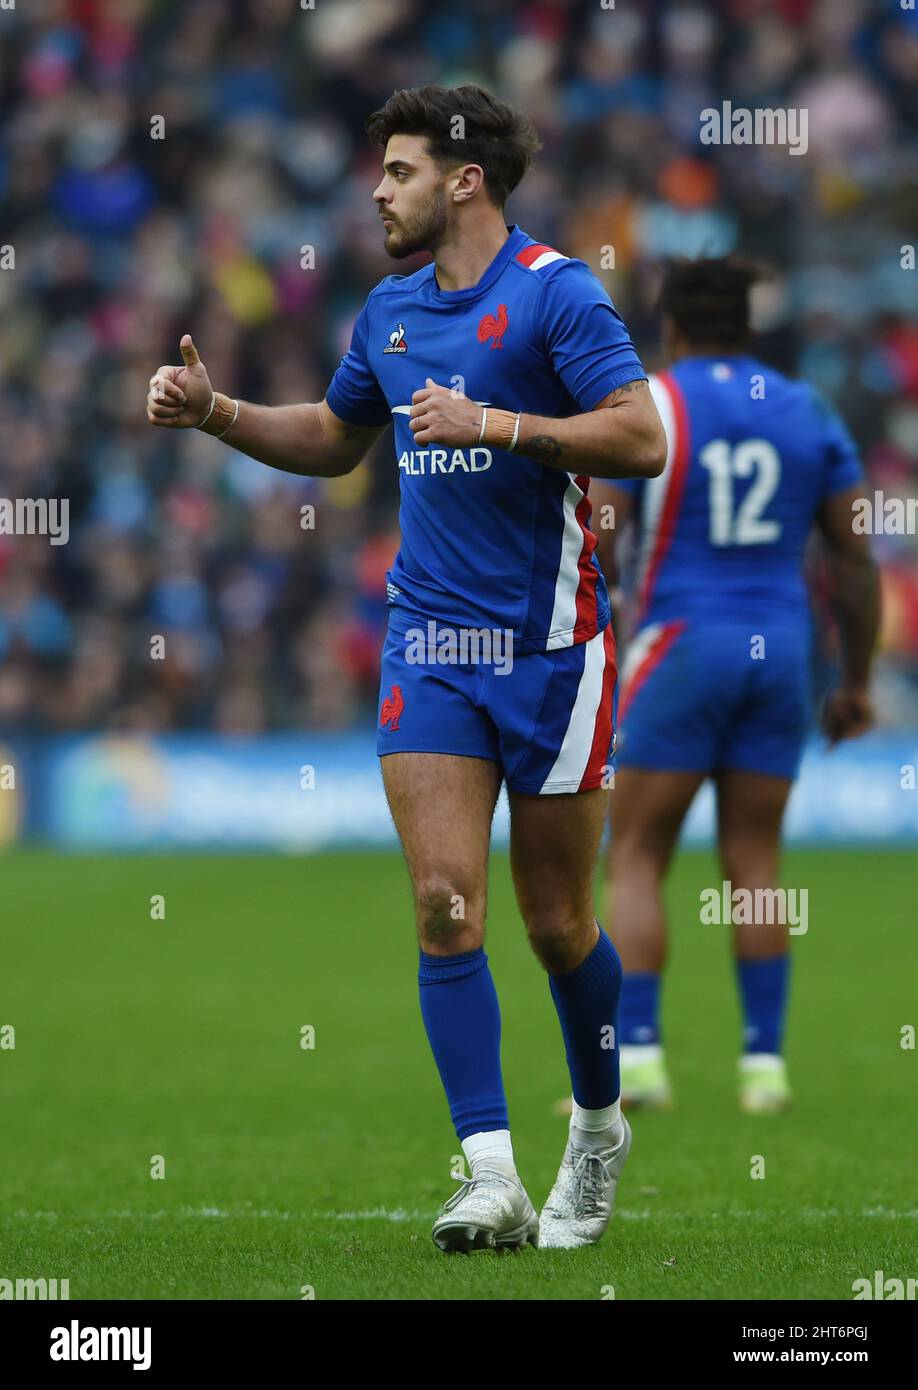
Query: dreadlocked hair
x=708 y=298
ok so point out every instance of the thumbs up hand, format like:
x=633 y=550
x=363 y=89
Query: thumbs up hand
x=180 y=397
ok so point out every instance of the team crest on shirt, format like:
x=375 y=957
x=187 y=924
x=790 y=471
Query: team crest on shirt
x=397 y=340
x=494 y=326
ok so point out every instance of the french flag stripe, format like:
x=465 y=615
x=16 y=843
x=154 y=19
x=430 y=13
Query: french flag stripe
x=663 y=494
x=571 y=606
x=535 y=257
x=569 y=768
x=547 y=258
x=645 y=653
x=654 y=494
x=602 y=729
x=589 y=575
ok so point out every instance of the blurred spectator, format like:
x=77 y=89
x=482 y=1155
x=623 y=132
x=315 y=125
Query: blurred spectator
x=165 y=168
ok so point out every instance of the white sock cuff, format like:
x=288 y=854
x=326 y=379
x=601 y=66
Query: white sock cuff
x=489 y=1148
x=593 y=1121
x=632 y=1054
x=761 y=1061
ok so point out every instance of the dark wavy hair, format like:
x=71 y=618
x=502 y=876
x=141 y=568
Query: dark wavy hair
x=708 y=298
x=497 y=137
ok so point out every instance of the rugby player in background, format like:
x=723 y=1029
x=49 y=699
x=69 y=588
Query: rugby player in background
x=716 y=678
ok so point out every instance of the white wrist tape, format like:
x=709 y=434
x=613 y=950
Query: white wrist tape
x=231 y=423
x=213 y=402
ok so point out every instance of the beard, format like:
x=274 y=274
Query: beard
x=423 y=232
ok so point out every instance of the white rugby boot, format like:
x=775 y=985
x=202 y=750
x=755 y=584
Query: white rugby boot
x=763 y=1085
x=490 y=1211
x=579 y=1206
x=644 y=1079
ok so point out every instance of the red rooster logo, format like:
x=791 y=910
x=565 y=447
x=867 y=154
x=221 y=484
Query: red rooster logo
x=392 y=707
x=491 y=327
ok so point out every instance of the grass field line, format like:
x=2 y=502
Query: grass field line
x=402 y=1214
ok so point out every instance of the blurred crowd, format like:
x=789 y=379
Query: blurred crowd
x=164 y=168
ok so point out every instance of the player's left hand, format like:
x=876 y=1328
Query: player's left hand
x=442 y=416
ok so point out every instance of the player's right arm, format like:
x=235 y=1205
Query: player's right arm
x=855 y=599
x=308 y=439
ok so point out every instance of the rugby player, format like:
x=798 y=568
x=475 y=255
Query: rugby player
x=510 y=380
x=716 y=682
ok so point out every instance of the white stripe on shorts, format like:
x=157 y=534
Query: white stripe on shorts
x=577 y=744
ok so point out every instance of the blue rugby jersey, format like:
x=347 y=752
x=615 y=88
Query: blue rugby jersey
x=491 y=539
x=751 y=456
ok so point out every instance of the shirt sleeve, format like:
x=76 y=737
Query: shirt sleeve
x=843 y=467
x=354 y=394
x=633 y=486
x=584 y=335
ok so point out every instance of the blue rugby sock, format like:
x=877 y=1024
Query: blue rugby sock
x=587 y=1004
x=639 y=1011
x=462 y=1017
x=763 y=991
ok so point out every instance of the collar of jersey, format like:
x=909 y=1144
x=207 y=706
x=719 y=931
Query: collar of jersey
x=515 y=242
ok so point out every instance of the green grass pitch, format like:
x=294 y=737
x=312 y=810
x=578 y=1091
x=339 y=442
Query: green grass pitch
x=289 y=1168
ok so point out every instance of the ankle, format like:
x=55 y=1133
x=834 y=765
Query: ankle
x=491 y=1150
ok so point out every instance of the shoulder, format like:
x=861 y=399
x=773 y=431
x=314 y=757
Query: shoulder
x=800 y=402
x=561 y=285
x=400 y=284
x=537 y=257
x=385 y=300
x=779 y=385
x=824 y=413
x=552 y=269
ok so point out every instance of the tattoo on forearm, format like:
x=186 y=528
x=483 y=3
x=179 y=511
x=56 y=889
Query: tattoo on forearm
x=629 y=386
x=547 y=449
x=543 y=447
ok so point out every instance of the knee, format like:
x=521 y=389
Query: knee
x=748 y=863
x=448 y=919
x=561 y=940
